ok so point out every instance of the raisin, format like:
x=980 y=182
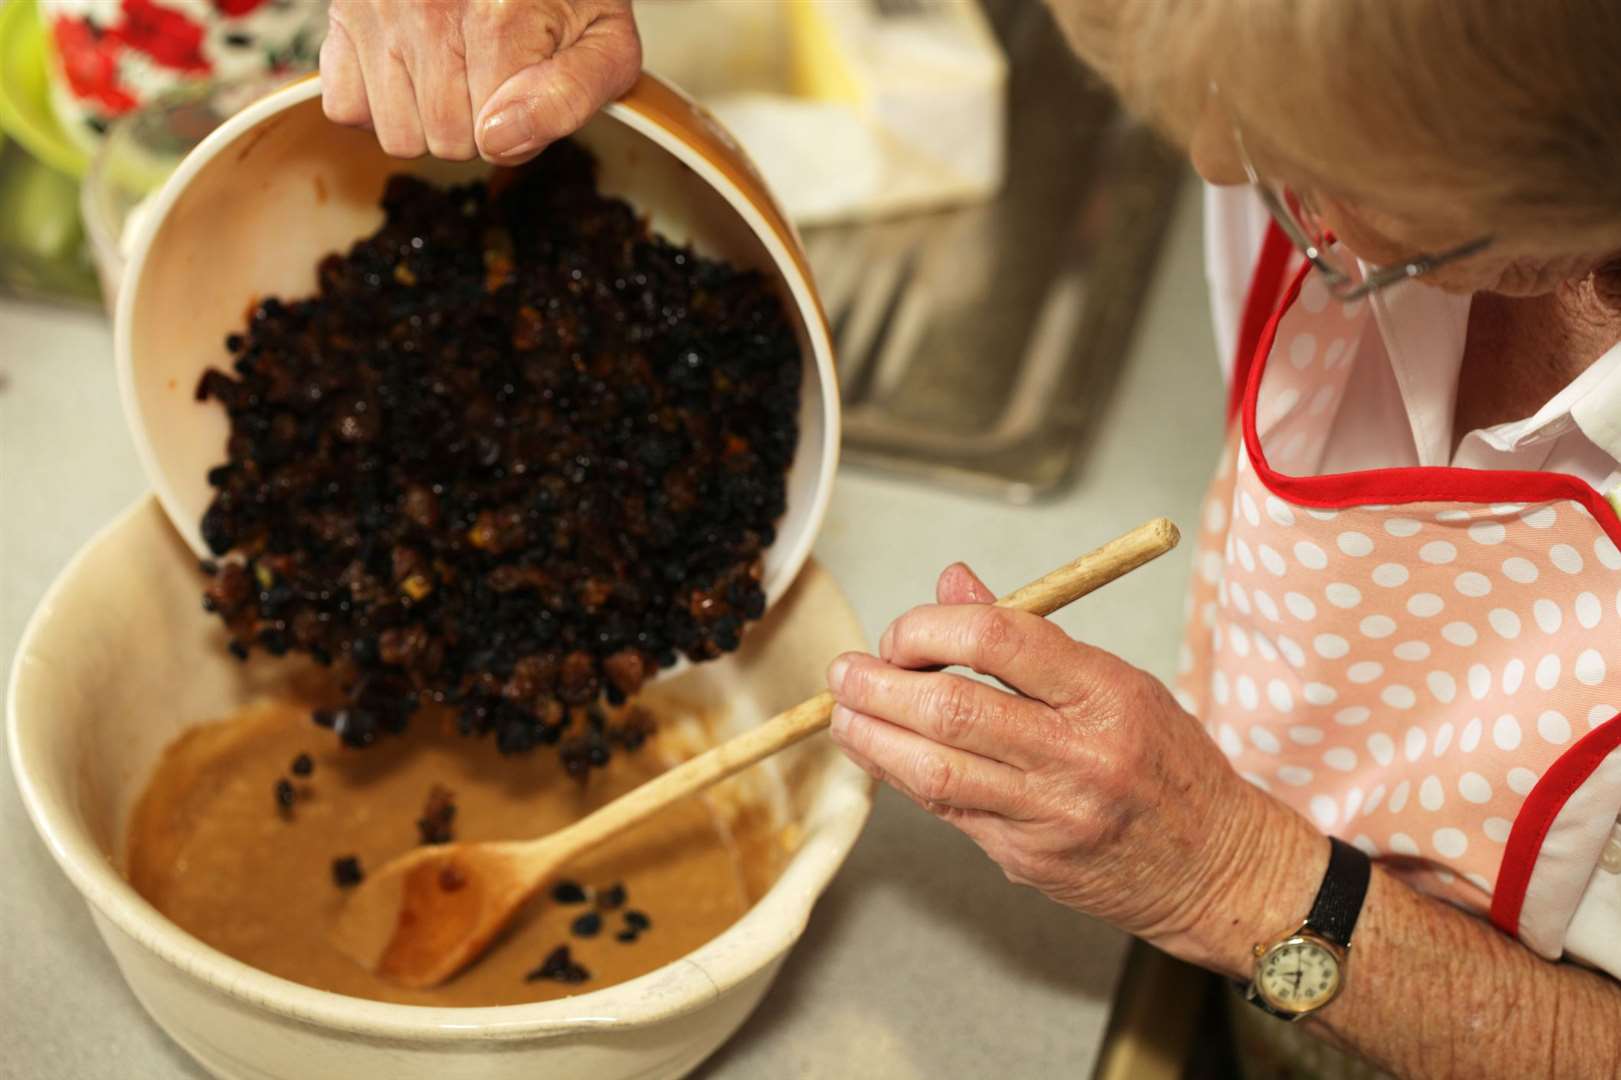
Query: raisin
x=346 y=871
x=515 y=453
x=438 y=816
x=559 y=966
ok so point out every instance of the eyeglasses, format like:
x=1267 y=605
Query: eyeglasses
x=1304 y=227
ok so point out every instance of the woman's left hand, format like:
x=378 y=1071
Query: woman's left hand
x=458 y=79
x=1085 y=779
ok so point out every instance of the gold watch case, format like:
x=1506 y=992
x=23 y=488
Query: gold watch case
x=1299 y=974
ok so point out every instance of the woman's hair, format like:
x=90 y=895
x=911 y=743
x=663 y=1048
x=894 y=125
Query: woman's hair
x=1504 y=111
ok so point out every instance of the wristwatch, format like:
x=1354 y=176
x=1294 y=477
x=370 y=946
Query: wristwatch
x=1304 y=970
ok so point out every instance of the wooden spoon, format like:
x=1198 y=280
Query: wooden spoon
x=429 y=913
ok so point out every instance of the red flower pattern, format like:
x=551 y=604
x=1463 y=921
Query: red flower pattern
x=235 y=9
x=90 y=62
x=95 y=53
x=164 y=34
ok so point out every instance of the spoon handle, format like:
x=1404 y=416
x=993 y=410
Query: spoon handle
x=1043 y=596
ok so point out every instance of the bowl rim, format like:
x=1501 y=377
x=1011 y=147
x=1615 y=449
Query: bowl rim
x=750 y=945
x=626 y=111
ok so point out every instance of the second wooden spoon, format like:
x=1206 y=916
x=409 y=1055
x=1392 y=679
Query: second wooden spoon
x=429 y=913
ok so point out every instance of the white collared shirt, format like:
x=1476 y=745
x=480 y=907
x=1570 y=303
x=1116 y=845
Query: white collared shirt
x=1399 y=409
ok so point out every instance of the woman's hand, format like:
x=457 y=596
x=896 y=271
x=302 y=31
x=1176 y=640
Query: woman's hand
x=1086 y=780
x=460 y=79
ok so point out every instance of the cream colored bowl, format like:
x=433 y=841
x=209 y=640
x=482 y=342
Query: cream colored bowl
x=119 y=659
x=251 y=210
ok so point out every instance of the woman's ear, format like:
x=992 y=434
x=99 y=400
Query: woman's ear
x=1214 y=147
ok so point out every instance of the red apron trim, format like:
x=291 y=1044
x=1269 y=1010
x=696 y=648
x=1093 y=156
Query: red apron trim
x=1405 y=485
x=1266 y=285
x=1445 y=483
x=1537 y=816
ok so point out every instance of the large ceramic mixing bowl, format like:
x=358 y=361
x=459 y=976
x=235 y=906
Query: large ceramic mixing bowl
x=119 y=660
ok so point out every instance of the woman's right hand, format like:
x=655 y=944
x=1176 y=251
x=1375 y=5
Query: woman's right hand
x=1080 y=776
x=458 y=79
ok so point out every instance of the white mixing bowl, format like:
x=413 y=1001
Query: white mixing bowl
x=118 y=660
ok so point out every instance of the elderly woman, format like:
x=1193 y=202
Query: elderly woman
x=1403 y=635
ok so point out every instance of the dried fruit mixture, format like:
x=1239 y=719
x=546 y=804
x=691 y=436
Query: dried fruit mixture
x=515 y=454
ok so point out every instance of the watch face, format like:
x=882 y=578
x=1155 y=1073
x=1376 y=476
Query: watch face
x=1298 y=975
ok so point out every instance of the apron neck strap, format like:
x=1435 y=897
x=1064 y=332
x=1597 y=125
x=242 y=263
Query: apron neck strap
x=1266 y=289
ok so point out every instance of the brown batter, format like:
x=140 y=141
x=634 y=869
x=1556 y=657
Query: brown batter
x=210 y=849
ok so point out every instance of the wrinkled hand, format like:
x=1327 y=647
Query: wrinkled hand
x=465 y=78
x=1085 y=779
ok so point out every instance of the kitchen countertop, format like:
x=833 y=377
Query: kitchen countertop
x=921 y=960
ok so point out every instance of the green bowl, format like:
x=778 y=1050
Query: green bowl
x=25 y=95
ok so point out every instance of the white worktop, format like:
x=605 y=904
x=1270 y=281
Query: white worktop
x=921 y=961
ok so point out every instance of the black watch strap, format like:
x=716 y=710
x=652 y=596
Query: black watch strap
x=1339 y=900
x=1333 y=914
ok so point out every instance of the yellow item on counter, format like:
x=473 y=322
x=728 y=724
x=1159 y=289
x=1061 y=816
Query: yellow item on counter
x=852 y=109
x=820 y=68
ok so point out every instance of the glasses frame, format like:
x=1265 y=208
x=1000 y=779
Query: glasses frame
x=1340 y=284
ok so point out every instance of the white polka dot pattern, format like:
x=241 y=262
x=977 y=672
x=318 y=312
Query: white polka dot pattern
x=1425 y=605
x=1412 y=650
x=1460 y=634
x=1438 y=552
x=1554 y=727
x=1390 y=575
x=1566 y=558
x=1354 y=543
x=1342 y=595
x=1378 y=626
x=1443 y=686
x=1364 y=671
x=1519 y=570
x=1450 y=842
x=1310 y=555
x=1506 y=732
x=1505 y=622
x=1403 y=675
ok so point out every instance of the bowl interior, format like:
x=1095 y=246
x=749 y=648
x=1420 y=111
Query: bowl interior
x=119 y=660
x=254 y=208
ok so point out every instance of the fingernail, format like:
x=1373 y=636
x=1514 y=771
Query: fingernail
x=508 y=133
x=840 y=720
x=884 y=642
x=836 y=672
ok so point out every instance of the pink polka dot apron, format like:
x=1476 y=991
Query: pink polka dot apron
x=1424 y=661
